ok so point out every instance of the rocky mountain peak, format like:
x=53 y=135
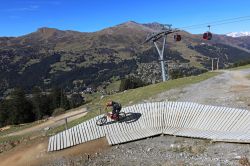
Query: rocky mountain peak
x=46 y=30
x=155 y=26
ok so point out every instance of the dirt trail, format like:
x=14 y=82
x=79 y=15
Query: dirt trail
x=35 y=153
x=231 y=89
x=52 y=122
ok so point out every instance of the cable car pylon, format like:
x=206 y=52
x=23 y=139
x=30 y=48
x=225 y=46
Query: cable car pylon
x=154 y=37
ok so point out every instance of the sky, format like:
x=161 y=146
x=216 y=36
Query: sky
x=20 y=17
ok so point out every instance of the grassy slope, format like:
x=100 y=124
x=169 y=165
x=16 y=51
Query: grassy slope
x=134 y=96
x=126 y=98
x=241 y=67
x=113 y=87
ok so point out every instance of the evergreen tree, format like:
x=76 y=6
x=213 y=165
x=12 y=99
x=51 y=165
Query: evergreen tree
x=131 y=83
x=19 y=109
x=4 y=114
x=41 y=104
x=59 y=99
x=76 y=100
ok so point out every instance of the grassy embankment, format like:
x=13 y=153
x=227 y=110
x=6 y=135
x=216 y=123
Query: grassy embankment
x=126 y=98
x=134 y=96
x=241 y=67
x=248 y=77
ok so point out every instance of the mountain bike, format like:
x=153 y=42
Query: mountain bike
x=103 y=120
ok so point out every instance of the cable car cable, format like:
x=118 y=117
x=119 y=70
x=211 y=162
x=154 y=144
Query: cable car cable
x=199 y=27
x=226 y=21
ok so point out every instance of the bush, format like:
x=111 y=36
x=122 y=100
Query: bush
x=240 y=63
x=131 y=83
x=58 y=111
x=76 y=100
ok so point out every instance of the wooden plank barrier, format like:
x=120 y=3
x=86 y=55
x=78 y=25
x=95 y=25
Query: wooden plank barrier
x=150 y=119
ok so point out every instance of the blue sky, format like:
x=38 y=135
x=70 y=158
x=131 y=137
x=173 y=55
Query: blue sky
x=19 y=17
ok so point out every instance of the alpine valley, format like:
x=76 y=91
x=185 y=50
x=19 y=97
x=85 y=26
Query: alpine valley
x=75 y=60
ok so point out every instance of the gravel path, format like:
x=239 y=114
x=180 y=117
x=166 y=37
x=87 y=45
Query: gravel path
x=230 y=89
x=170 y=150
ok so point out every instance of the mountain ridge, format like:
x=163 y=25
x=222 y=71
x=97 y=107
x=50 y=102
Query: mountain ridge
x=238 y=34
x=50 y=57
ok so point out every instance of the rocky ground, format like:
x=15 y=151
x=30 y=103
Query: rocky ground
x=230 y=89
x=170 y=150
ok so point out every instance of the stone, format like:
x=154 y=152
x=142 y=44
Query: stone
x=149 y=149
x=46 y=128
x=237 y=157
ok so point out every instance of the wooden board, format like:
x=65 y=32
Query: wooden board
x=174 y=118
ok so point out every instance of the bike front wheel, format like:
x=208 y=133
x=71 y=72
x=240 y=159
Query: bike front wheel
x=101 y=121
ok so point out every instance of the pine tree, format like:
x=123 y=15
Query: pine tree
x=19 y=109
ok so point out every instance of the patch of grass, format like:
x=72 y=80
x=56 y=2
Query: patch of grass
x=134 y=96
x=248 y=76
x=113 y=87
x=189 y=149
x=194 y=147
x=14 y=128
x=91 y=114
x=18 y=138
x=241 y=67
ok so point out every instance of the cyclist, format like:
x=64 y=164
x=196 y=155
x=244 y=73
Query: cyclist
x=116 y=108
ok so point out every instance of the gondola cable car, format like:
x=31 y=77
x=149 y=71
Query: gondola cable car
x=177 y=37
x=207 y=35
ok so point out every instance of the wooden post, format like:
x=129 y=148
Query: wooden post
x=217 y=63
x=66 y=124
x=212 y=64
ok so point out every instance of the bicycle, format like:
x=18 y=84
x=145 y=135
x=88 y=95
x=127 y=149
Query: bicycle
x=102 y=120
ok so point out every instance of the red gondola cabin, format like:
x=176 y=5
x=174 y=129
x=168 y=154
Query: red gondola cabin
x=177 y=37
x=207 y=36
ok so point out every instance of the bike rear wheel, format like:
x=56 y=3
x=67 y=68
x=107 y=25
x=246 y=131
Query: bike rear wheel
x=101 y=121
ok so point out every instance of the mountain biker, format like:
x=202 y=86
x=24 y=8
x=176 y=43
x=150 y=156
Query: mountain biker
x=116 y=108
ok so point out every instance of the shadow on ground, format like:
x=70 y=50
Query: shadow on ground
x=130 y=118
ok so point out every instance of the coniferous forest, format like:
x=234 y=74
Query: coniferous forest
x=19 y=108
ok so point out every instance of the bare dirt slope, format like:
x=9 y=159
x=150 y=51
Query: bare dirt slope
x=34 y=153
